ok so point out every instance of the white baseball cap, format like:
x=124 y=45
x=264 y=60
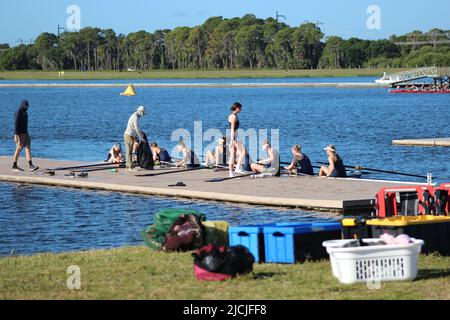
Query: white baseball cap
x=330 y=147
x=141 y=110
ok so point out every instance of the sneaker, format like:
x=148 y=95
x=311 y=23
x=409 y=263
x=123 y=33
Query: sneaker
x=70 y=175
x=33 y=168
x=270 y=171
x=82 y=175
x=132 y=169
x=16 y=169
x=239 y=171
x=231 y=175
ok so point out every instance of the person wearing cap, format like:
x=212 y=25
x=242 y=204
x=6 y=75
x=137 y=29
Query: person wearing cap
x=22 y=138
x=300 y=162
x=115 y=155
x=133 y=134
x=159 y=154
x=220 y=154
x=269 y=165
x=336 y=169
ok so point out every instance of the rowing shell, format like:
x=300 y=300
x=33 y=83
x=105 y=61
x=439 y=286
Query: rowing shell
x=420 y=92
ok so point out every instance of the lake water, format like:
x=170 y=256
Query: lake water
x=83 y=123
x=40 y=219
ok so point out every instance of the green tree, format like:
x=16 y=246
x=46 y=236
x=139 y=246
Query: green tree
x=307 y=46
x=334 y=53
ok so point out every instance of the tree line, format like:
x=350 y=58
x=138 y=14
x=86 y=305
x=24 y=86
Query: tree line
x=247 y=42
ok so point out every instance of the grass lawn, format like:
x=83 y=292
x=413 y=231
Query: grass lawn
x=138 y=273
x=194 y=74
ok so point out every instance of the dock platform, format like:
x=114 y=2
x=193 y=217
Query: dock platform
x=432 y=142
x=310 y=193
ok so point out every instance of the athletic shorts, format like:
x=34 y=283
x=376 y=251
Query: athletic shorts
x=334 y=174
x=24 y=141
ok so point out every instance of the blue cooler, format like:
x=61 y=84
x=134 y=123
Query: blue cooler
x=251 y=237
x=297 y=242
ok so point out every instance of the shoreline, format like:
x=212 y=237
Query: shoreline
x=192 y=74
x=354 y=85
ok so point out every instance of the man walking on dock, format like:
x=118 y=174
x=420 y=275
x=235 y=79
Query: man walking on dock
x=132 y=134
x=22 y=138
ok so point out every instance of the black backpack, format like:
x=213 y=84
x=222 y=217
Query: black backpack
x=229 y=261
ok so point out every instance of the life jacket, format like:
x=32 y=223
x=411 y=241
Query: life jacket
x=304 y=166
x=339 y=167
x=213 y=263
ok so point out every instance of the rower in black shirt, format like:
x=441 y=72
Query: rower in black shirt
x=301 y=164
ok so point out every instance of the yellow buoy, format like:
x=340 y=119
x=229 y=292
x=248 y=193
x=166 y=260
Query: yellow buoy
x=129 y=92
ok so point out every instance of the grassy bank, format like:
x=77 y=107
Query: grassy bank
x=199 y=74
x=138 y=273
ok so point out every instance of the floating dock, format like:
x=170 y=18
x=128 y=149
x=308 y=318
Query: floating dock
x=310 y=193
x=432 y=142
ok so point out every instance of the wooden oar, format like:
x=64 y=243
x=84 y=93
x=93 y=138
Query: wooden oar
x=99 y=169
x=94 y=165
x=288 y=163
x=382 y=171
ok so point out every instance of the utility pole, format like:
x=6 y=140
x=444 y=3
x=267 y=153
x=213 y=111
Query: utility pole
x=280 y=16
x=61 y=28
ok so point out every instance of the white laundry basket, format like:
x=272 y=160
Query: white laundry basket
x=373 y=263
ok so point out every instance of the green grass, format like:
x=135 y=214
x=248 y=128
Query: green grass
x=192 y=74
x=138 y=273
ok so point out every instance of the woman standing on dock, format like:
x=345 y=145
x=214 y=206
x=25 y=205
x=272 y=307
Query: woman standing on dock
x=236 y=146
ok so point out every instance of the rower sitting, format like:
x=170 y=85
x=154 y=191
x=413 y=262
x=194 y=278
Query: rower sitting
x=190 y=159
x=219 y=156
x=160 y=154
x=115 y=155
x=270 y=165
x=336 y=168
x=300 y=162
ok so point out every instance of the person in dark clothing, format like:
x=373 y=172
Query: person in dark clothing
x=300 y=162
x=22 y=138
x=160 y=154
x=336 y=168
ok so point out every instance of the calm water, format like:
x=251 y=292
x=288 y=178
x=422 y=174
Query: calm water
x=82 y=124
x=231 y=80
x=40 y=219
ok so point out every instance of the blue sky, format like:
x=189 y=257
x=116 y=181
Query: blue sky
x=25 y=19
